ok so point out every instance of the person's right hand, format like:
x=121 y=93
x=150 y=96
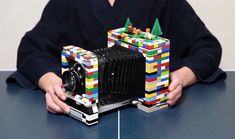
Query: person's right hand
x=55 y=96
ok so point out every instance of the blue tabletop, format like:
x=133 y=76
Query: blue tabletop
x=23 y=115
x=206 y=111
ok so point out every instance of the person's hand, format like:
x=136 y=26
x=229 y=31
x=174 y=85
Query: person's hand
x=175 y=88
x=55 y=96
x=179 y=79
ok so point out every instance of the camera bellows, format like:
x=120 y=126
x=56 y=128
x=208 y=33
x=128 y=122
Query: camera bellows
x=121 y=71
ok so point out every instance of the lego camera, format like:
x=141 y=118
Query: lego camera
x=136 y=63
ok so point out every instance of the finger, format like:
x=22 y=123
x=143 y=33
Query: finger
x=174 y=96
x=65 y=108
x=174 y=83
x=51 y=110
x=173 y=101
x=51 y=106
x=59 y=92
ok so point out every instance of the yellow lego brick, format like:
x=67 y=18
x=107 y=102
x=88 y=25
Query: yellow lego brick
x=95 y=66
x=161 y=41
x=122 y=44
x=167 y=84
x=140 y=44
x=149 y=86
x=109 y=34
x=85 y=100
x=163 y=106
x=155 y=45
x=126 y=39
x=63 y=59
x=165 y=54
x=151 y=65
x=150 y=95
x=90 y=80
x=151 y=71
x=89 y=86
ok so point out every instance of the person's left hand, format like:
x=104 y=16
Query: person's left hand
x=179 y=79
x=175 y=88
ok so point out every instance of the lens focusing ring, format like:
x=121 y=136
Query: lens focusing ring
x=73 y=79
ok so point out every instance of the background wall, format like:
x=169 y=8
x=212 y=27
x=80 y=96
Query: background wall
x=19 y=16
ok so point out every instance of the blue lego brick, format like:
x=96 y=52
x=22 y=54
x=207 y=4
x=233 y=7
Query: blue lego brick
x=165 y=50
x=64 y=54
x=95 y=95
x=151 y=61
x=64 y=64
x=151 y=76
x=164 y=79
x=78 y=56
x=150 y=99
x=86 y=63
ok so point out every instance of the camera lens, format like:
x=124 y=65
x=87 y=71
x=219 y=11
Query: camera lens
x=73 y=79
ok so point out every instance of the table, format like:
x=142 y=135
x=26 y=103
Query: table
x=206 y=111
x=23 y=115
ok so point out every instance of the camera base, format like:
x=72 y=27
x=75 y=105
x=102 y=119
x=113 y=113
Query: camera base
x=87 y=119
x=153 y=108
x=87 y=114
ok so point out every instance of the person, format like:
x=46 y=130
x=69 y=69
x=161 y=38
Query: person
x=195 y=52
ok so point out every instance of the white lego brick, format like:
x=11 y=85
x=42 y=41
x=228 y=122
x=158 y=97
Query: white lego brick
x=78 y=60
x=159 y=51
x=165 y=61
x=95 y=109
x=92 y=70
x=77 y=97
x=149 y=58
x=163 y=67
x=92 y=83
x=162 y=83
x=150 y=83
x=160 y=96
x=110 y=44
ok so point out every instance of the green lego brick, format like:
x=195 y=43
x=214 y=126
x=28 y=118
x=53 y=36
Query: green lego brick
x=151 y=53
x=163 y=99
x=165 y=73
x=95 y=75
x=92 y=89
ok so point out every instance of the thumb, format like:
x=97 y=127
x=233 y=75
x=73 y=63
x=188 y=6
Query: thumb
x=174 y=82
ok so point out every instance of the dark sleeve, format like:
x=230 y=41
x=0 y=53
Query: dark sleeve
x=192 y=45
x=40 y=48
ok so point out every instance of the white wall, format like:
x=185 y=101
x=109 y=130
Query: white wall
x=16 y=17
x=19 y=16
x=219 y=16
